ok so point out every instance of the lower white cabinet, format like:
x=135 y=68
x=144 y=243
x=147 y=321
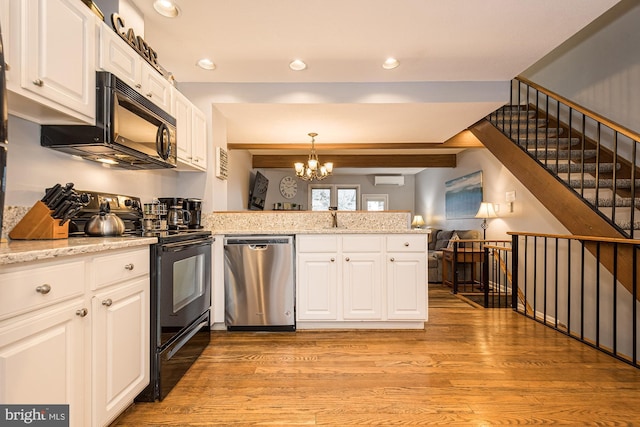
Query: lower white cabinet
x=317 y=289
x=68 y=340
x=361 y=280
x=120 y=348
x=42 y=359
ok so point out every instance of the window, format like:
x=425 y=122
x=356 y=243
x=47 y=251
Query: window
x=375 y=202
x=344 y=197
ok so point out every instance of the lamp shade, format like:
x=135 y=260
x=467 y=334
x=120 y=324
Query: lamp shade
x=418 y=221
x=486 y=211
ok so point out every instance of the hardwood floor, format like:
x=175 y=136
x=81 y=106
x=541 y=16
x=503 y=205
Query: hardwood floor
x=469 y=366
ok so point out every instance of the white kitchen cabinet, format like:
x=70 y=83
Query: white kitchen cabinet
x=361 y=280
x=362 y=277
x=117 y=57
x=75 y=330
x=191 y=130
x=317 y=286
x=120 y=348
x=199 y=135
x=406 y=277
x=52 y=60
x=43 y=335
x=42 y=360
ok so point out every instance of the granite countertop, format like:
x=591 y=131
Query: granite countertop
x=17 y=251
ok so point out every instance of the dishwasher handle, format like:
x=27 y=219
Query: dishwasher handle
x=258 y=241
x=258 y=247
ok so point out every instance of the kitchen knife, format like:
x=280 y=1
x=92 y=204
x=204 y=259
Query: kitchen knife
x=70 y=213
x=62 y=196
x=61 y=209
x=50 y=193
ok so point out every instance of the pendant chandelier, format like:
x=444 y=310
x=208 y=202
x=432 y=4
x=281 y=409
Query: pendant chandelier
x=313 y=169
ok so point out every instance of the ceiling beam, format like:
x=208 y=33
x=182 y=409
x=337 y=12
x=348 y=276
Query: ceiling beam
x=364 y=161
x=464 y=139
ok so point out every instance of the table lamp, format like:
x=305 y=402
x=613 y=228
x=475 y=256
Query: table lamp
x=486 y=211
x=418 y=222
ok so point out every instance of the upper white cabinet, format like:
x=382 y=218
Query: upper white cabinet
x=117 y=57
x=52 y=61
x=191 y=130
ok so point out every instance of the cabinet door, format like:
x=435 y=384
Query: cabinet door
x=317 y=291
x=406 y=286
x=120 y=348
x=156 y=88
x=58 y=53
x=182 y=113
x=42 y=360
x=117 y=57
x=362 y=281
x=199 y=139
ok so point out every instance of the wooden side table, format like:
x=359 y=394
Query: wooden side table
x=473 y=256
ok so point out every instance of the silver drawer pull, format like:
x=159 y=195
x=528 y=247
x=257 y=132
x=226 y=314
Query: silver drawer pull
x=406 y=244
x=43 y=289
x=138 y=85
x=38 y=82
x=107 y=302
x=150 y=95
x=333 y=260
x=82 y=312
x=346 y=259
x=128 y=267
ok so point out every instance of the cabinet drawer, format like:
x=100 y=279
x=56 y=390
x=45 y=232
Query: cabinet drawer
x=117 y=267
x=32 y=286
x=319 y=243
x=407 y=243
x=362 y=243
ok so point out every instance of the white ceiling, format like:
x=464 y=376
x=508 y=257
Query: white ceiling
x=456 y=57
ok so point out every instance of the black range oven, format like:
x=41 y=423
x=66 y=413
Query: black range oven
x=180 y=290
x=180 y=302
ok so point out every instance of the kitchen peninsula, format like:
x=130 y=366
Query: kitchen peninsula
x=368 y=272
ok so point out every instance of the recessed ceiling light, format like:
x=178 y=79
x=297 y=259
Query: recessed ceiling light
x=206 y=64
x=297 y=65
x=166 y=8
x=390 y=64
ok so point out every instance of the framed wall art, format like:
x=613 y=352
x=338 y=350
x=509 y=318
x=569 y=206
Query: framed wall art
x=463 y=196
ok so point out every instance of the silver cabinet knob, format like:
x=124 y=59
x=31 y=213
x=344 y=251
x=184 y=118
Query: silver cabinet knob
x=128 y=267
x=82 y=312
x=38 y=82
x=149 y=95
x=392 y=259
x=107 y=302
x=406 y=244
x=346 y=259
x=333 y=260
x=138 y=85
x=43 y=289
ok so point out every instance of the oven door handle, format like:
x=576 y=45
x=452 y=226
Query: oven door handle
x=180 y=246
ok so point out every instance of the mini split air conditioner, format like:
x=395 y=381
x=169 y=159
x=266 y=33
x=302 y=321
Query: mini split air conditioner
x=388 y=180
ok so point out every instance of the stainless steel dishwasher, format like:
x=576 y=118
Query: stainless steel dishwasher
x=259 y=283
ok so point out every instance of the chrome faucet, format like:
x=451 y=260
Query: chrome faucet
x=334 y=219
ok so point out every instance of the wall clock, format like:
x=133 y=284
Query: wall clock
x=288 y=187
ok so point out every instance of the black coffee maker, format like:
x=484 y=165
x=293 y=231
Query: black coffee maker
x=194 y=206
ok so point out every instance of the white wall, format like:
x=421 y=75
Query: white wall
x=400 y=198
x=528 y=215
x=599 y=68
x=31 y=168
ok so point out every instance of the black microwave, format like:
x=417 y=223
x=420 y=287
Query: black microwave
x=131 y=132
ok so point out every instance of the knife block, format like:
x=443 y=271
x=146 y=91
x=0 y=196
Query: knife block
x=39 y=224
